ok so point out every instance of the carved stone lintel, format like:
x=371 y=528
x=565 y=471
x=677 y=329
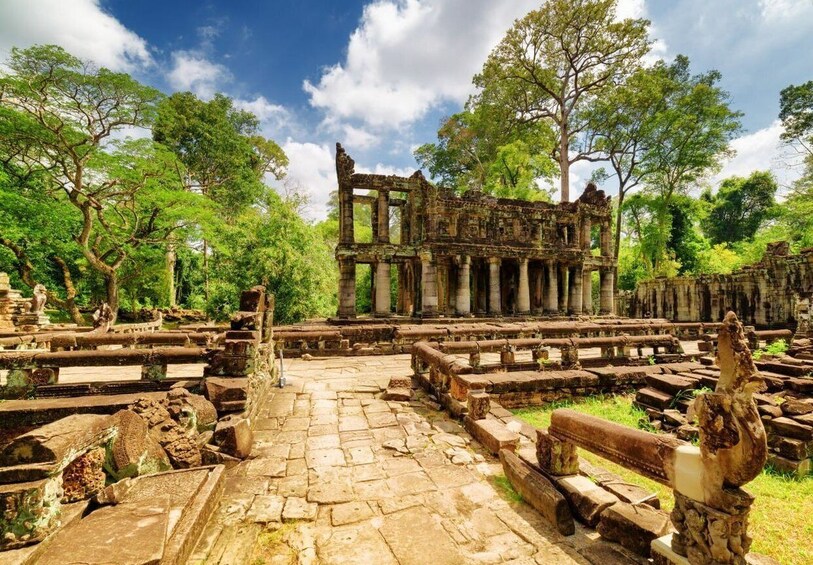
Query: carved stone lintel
x=555 y=456
x=709 y=536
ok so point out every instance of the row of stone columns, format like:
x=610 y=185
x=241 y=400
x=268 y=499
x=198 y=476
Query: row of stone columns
x=567 y=289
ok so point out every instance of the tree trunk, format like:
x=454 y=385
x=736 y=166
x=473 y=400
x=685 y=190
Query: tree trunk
x=617 y=246
x=172 y=258
x=206 y=271
x=564 y=162
x=112 y=287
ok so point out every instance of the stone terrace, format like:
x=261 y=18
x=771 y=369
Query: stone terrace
x=344 y=477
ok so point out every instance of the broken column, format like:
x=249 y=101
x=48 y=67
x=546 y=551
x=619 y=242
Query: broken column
x=382 y=289
x=587 y=291
x=551 y=290
x=606 y=294
x=347 y=287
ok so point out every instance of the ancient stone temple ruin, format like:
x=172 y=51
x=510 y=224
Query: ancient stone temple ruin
x=767 y=293
x=472 y=254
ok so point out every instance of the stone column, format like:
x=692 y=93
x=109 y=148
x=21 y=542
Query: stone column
x=586 y=234
x=347 y=288
x=606 y=302
x=587 y=291
x=383 y=202
x=524 y=291
x=429 y=286
x=563 y=288
x=346 y=215
x=552 y=289
x=606 y=240
x=382 y=289
x=575 y=298
x=494 y=295
x=463 y=298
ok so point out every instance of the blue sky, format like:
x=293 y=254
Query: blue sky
x=378 y=76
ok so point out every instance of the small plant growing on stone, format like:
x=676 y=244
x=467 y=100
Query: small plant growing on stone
x=651 y=359
x=778 y=347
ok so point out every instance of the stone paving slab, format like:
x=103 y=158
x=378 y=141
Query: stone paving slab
x=338 y=475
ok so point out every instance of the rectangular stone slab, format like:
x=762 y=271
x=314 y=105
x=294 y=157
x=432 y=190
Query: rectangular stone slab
x=492 y=434
x=539 y=492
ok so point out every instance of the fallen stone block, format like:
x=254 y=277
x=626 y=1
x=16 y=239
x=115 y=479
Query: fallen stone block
x=58 y=442
x=539 y=492
x=784 y=465
x=234 y=437
x=654 y=398
x=397 y=394
x=84 y=476
x=182 y=450
x=796 y=408
x=225 y=393
x=587 y=500
x=633 y=526
x=791 y=428
x=192 y=411
x=670 y=384
x=29 y=511
x=611 y=482
x=400 y=382
x=492 y=434
x=133 y=451
x=555 y=456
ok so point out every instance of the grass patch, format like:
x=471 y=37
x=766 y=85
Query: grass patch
x=271 y=546
x=780 y=521
x=506 y=489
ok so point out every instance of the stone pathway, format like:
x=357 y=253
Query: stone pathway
x=339 y=476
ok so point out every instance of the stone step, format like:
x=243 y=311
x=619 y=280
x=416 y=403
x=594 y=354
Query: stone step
x=671 y=384
x=654 y=398
x=150 y=519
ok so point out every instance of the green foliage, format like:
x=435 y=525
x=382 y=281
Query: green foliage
x=778 y=347
x=273 y=245
x=553 y=62
x=740 y=207
x=796 y=113
x=478 y=150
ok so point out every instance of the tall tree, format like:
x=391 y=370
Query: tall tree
x=224 y=154
x=57 y=115
x=740 y=206
x=796 y=113
x=553 y=62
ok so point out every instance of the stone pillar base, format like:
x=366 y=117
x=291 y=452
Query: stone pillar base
x=707 y=535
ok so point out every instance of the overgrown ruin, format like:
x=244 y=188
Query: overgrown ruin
x=767 y=293
x=472 y=254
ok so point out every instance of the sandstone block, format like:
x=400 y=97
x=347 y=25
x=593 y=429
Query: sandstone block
x=555 y=456
x=479 y=405
x=633 y=526
x=790 y=428
x=492 y=434
x=84 y=476
x=181 y=449
x=30 y=512
x=796 y=408
x=234 y=437
x=397 y=394
x=587 y=500
x=133 y=451
x=192 y=411
x=539 y=492
x=55 y=442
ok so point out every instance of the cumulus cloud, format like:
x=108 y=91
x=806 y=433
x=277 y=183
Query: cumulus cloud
x=312 y=167
x=194 y=72
x=408 y=56
x=81 y=27
x=761 y=150
x=274 y=118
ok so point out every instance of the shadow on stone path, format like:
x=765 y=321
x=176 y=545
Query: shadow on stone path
x=339 y=476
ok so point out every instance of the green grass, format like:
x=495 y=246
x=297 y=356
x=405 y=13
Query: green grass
x=506 y=489
x=780 y=520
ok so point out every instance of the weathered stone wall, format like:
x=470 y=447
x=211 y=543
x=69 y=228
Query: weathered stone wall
x=472 y=254
x=763 y=294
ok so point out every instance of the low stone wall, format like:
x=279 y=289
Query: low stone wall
x=385 y=339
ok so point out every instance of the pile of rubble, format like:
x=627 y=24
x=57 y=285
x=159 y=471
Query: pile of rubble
x=786 y=406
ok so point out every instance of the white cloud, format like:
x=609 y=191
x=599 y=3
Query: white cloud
x=358 y=138
x=761 y=150
x=313 y=168
x=408 y=56
x=192 y=71
x=81 y=27
x=274 y=118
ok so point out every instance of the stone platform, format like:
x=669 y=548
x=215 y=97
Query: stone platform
x=337 y=475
